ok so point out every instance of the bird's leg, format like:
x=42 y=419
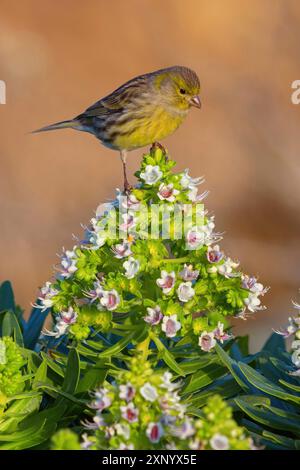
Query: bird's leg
x=127 y=187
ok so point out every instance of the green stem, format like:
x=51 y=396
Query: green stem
x=184 y=259
x=143 y=347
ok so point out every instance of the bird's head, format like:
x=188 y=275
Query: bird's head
x=179 y=87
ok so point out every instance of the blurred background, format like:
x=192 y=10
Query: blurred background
x=59 y=57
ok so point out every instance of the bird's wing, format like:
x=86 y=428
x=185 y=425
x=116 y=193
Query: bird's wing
x=119 y=99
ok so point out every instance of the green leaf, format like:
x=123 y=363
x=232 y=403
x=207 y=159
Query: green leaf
x=232 y=366
x=265 y=385
x=204 y=377
x=11 y=327
x=168 y=357
x=72 y=372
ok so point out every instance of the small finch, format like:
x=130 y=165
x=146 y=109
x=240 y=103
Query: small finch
x=143 y=111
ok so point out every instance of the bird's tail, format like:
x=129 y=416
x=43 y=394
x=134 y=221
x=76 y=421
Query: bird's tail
x=72 y=123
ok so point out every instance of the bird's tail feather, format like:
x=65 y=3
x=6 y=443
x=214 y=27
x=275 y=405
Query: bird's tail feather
x=72 y=123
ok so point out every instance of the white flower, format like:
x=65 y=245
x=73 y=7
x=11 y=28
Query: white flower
x=207 y=341
x=226 y=269
x=96 y=238
x=124 y=446
x=47 y=293
x=149 y=392
x=128 y=202
x=68 y=263
x=127 y=392
x=170 y=386
x=154 y=432
x=187 y=181
x=296 y=344
x=187 y=274
x=170 y=325
x=96 y=293
x=130 y=413
x=129 y=221
x=167 y=281
x=214 y=255
x=63 y=321
x=102 y=400
x=296 y=358
x=68 y=316
x=123 y=430
x=154 y=315
x=220 y=334
x=219 y=442
x=131 y=267
x=185 y=291
x=253 y=303
x=122 y=250
x=185 y=430
x=110 y=299
x=151 y=175
x=86 y=442
x=167 y=192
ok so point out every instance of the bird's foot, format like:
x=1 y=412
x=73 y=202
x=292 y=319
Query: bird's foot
x=157 y=145
x=127 y=188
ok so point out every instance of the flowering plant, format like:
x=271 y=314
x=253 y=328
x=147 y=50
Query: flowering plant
x=151 y=260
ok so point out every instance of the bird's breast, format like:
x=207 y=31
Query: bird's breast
x=144 y=127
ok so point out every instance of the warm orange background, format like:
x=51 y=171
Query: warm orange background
x=58 y=57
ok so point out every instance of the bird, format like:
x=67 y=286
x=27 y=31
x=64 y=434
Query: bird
x=140 y=112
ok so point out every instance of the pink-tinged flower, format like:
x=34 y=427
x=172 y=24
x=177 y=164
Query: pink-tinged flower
x=124 y=446
x=154 y=432
x=220 y=334
x=185 y=430
x=185 y=291
x=102 y=400
x=167 y=192
x=86 y=442
x=127 y=392
x=121 y=250
x=110 y=299
x=130 y=413
x=129 y=222
x=214 y=255
x=207 y=341
x=167 y=281
x=194 y=238
x=187 y=274
x=128 y=202
x=131 y=267
x=154 y=315
x=170 y=325
x=96 y=293
x=98 y=422
x=69 y=316
x=151 y=175
x=68 y=263
x=149 y=392
x=47 y=292
x=219 y=442
x=251 y=284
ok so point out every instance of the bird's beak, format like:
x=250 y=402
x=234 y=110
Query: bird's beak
x=195 y=101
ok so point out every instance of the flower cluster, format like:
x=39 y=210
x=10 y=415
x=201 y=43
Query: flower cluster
x=217 y=430
x=151 y=257
x=142 y=410
x=11 y=362
x=293 y=329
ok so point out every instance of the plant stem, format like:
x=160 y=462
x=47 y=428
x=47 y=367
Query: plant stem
x=143 y=347
x=184 y=259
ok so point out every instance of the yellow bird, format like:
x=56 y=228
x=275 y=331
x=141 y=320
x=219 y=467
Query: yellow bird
x=144 y=110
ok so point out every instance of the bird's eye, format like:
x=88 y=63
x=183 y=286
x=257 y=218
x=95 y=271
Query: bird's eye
x=182 y=91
